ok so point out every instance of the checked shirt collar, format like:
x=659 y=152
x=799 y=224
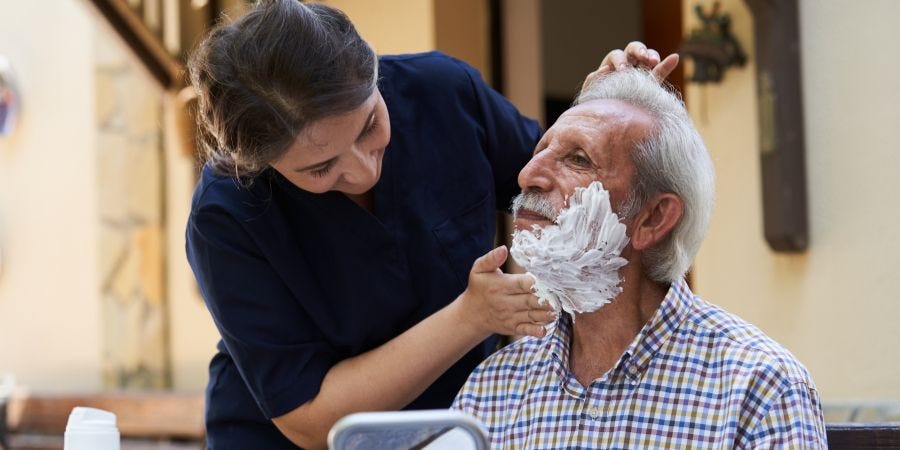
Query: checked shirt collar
x=637 y=356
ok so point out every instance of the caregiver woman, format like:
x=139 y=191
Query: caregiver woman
x=341 y=229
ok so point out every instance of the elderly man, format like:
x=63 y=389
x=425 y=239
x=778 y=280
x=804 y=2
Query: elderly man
x=657 y=366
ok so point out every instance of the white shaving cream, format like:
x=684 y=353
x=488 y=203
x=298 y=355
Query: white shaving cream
x=576 y=261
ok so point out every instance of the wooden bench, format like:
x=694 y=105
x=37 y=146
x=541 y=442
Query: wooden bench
x=863 y=435
x=146 y=421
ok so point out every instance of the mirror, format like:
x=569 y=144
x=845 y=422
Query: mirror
x=438 y=429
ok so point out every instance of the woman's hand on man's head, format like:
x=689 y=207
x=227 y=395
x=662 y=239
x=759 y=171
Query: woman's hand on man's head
x=635 y=54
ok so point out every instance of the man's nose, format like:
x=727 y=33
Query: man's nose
x=538 y=173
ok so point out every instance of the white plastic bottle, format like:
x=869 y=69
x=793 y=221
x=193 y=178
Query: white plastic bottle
x=91 y=429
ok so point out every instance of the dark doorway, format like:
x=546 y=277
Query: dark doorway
x=576 y=34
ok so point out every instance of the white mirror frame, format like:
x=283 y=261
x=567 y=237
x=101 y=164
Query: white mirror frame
x=406 y=420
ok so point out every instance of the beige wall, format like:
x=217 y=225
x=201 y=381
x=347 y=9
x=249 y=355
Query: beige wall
x=391 y=26
x=835 y=306
x=523 y=56
x=461 y=29
x=457 y=27
x=50 y=333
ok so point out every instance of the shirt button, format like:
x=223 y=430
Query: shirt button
x=593 y=412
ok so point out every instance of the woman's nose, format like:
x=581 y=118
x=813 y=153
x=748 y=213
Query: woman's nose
x=365 y=166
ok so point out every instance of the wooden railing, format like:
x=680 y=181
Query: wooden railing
x=146 y=43
x=162 y=32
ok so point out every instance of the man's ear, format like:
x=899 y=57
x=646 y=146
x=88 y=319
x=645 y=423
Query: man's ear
x=657 y=219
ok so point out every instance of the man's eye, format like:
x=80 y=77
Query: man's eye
x=580 y=160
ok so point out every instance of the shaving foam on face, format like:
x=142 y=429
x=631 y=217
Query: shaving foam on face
x=576 y=261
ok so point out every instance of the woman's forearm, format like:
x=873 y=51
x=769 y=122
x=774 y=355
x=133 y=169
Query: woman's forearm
x=388 y=377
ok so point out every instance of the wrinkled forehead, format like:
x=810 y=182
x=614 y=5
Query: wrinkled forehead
x=604 y=122
x=608 y=113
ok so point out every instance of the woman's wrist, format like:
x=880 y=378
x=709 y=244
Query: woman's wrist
x=467 y=319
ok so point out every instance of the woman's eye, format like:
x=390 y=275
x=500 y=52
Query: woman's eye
x=319 y=173
x=372 y=127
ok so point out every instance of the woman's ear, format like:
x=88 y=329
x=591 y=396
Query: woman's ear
x=656 y=220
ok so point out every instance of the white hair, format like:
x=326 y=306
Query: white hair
x=672 y=158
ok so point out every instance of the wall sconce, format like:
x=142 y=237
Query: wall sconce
x=9 y=98
x=712 y=46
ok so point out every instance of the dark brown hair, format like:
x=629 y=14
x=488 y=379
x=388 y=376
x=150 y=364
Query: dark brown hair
x=262 y=79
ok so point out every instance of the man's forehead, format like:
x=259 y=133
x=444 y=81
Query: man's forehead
x=603 y=120
x=607 y=110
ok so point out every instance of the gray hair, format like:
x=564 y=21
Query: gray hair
x=672 y=158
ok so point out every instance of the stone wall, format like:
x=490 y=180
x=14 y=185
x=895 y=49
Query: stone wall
x=130 y=178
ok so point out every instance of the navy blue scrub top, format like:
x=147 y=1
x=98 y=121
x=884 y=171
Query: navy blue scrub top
x=297 y=282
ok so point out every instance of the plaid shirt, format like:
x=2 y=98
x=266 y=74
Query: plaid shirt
x=695 y=376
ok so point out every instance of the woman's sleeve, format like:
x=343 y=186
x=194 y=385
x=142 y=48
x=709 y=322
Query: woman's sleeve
x=510 y=137
x=279 y=352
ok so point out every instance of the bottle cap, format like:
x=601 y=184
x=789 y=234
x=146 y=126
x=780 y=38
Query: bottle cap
x=91 y=429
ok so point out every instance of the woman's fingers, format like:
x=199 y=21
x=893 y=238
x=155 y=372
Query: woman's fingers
x=530 y=329
x=539 y=316
x=529 y=301
x=529 y=309
x=490 y=261
x=653 y=58
x=635 y=54
x=662 y=70
x=614 y=60
x=524 y=283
